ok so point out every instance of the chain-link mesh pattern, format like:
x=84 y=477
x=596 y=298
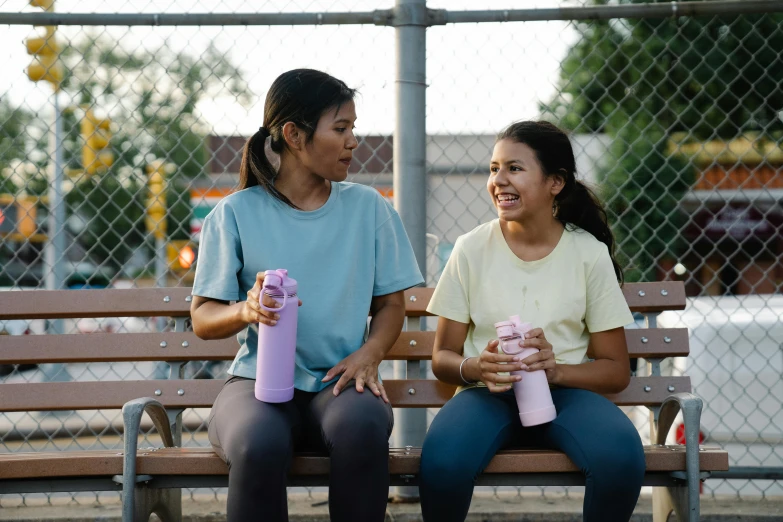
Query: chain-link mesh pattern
x=677 y=123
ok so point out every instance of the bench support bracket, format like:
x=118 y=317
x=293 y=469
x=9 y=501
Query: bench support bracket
x=139 y=501
x=684 y=500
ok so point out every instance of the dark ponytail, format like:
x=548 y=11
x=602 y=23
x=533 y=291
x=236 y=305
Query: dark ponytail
x=576 y=205
x=300 y=96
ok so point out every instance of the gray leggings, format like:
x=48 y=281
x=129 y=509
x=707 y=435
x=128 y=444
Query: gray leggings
x=257 y=440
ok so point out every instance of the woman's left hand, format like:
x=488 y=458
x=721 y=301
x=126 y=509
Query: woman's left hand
x=544 y=359
x=362 y=366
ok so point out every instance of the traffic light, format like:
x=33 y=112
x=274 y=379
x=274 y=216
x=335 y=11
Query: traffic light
x=96 y=134
x=181 y=255
x=18 y=218
x=26 y=217
x=156 y=202
x=45 y=50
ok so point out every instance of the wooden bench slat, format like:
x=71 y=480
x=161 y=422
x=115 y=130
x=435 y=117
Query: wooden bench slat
x=204 y=461
x=655 y=296
x=430 y=393
x=131 y=302
x=51 y=464
x=151 y=302
x=416 y=301
x=638 y=394
x=123 y=347
x=658 y=342
x=114 y=347
x=427 y=393
x=64 y=304
x=108 y=395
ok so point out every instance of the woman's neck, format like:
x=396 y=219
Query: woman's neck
x=534 y=231
x=534 y=239
x=303 y=188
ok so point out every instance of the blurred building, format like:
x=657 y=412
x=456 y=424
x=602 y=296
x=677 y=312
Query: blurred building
x=735 y=216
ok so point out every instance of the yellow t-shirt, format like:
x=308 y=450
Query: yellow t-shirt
x=569 y=293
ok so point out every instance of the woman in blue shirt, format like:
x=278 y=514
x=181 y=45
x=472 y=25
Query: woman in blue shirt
x=347 y=249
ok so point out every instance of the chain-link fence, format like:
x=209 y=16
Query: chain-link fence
x=675 y=113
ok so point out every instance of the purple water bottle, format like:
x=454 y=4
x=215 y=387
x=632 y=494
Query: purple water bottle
x=532 y=393
x=277 y=344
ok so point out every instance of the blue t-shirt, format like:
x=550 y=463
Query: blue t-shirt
x=352 y=248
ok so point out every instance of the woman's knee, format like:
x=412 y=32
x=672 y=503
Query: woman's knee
x=446 y=464
x=364 y=421
x=619 y=460
x=259 y=448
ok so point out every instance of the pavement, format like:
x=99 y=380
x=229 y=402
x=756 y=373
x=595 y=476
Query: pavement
x=304 y=507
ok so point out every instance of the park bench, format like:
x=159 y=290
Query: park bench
x=150 y=479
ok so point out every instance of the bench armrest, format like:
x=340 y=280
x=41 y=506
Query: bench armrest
x=131 y=418
x=691 y=406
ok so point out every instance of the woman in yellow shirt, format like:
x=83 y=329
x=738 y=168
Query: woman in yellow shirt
x=548 y=258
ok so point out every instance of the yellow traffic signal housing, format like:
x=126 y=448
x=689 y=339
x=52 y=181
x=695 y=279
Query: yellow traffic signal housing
x=156 y=203
x=44 y=45
x=96 y=134
x=26 y=224
x=181 y=255
x=46 y=5
x=46 y=65
x=46 y=68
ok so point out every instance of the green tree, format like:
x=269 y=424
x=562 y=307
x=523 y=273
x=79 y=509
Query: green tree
x=14 y=122
x=641 y=81
x=151 y=98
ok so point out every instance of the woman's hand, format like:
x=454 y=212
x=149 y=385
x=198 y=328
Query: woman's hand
x=252 y=312
x=491 y=364
x=544 y=359
x=362 y=366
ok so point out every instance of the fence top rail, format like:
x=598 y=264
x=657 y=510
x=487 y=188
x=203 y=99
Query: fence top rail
x=175 y=302
x=402 y=16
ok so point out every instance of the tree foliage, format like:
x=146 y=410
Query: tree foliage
x=643 y=80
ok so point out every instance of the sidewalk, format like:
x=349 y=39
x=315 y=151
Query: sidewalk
x=485 y=508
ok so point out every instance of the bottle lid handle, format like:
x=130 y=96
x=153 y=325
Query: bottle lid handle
x=271 y=286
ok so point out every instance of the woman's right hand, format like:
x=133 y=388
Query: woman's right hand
x=491 y=368
x=252 y=311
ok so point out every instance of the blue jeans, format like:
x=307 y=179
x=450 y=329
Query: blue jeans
x=594 y=433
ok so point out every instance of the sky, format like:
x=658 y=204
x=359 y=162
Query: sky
x=480 y=76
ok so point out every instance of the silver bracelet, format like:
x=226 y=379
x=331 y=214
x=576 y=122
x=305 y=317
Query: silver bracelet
x=460 y=371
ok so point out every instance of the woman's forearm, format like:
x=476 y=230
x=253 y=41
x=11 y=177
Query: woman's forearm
x=445 y=366
x=217 y=320
x=385 y=327
x=600 y=376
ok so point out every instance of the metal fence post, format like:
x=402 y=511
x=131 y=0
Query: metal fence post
x=410 y=183
x=54 y=253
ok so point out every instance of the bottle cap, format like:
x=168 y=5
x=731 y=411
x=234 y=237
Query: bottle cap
x=275 y=280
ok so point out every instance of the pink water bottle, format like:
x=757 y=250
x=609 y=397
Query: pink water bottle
x=533 y=396
x=277 y=344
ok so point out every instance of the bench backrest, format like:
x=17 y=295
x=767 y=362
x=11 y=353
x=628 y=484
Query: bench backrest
x=178 y=347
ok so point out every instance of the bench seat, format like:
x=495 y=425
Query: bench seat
x=402 y=461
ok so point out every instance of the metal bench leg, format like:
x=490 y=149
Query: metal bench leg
x=679 y=499
x=661 y=505
x=165 y=503
x=143 y=500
